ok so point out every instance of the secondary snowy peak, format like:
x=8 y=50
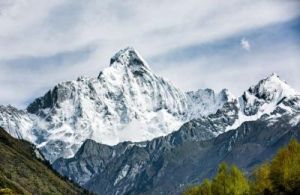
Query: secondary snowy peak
x=271 y=89
x=266 y=95
x=269 y=96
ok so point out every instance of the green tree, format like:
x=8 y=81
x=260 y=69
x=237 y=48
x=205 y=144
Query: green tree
x=220 y=184
x=229 y=182
x=238 y=183
x=203 y=189
x=285 y=169
x=261 y=183
x=195 y=190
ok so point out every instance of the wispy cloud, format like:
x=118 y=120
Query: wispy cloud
x=245 y=44
x=222 y=63
x=37 y=38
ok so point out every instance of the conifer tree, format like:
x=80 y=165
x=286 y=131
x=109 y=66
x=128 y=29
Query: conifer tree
x=261 y=183
x=238 y=183
x=220 y=184
x=203 y=189
x=285 y=169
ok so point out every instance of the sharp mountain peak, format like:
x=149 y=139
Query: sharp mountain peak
x=130 y=57
x=272 y=86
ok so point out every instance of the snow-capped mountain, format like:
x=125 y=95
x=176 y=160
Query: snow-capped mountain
x=128 y=102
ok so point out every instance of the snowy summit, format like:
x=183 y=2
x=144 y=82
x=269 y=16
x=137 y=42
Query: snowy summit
x=128 y=102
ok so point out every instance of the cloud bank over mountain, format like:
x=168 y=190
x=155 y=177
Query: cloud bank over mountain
x=42 y=43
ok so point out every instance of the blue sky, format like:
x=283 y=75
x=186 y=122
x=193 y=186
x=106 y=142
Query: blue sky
x=194 y=44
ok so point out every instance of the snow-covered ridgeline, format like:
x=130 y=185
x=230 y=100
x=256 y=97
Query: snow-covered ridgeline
x=128 y=102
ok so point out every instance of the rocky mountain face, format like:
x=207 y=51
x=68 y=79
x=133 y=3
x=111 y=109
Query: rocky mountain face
x=167 y=165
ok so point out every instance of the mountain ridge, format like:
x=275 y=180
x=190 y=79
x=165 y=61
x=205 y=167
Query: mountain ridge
x=168 y=164
x=127 y=102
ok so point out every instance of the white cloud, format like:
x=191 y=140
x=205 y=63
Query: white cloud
x=234 y=72
x=245 y=44
x=34 y=28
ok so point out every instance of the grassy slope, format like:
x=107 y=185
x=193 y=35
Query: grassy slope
x=22 y=173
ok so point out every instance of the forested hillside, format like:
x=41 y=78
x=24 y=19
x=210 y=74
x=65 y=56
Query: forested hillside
x=21 y=172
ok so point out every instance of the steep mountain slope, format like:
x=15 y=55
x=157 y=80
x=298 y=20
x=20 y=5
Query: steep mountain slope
x=23 y=173
x=166 y=165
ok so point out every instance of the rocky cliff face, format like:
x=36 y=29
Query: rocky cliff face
x=168 y=164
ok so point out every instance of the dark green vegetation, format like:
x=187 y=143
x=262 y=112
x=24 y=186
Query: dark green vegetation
x=279 y=176
x=21 y=172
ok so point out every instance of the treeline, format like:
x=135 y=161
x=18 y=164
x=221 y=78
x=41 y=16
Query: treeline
x=279 y=176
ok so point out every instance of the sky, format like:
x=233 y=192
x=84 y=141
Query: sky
x=194 y=44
